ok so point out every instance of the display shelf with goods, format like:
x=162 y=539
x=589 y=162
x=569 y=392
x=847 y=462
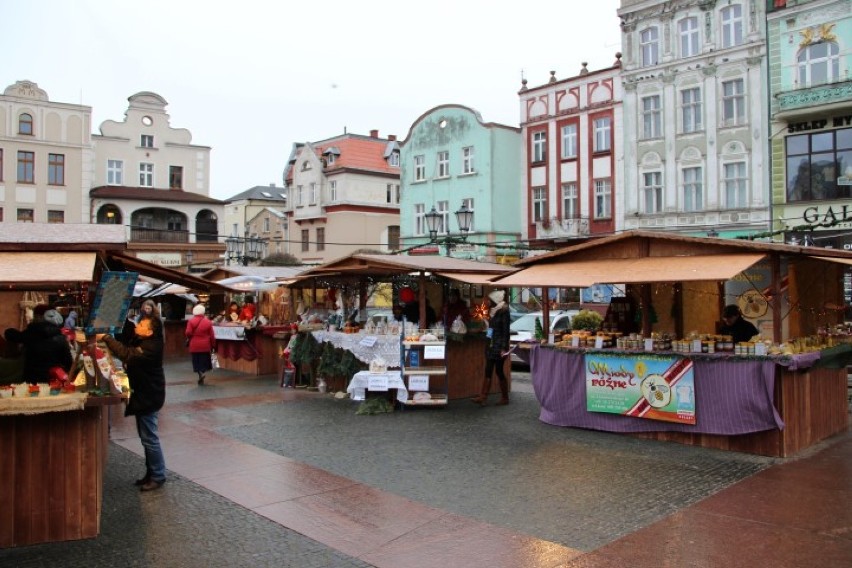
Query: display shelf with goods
x=424 y=371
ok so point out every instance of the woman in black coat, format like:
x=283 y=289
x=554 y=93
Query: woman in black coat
x=143 y=361
x=497 y=349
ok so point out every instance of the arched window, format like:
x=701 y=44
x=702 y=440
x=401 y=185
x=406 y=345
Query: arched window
x=819 y=63
x=25 y=124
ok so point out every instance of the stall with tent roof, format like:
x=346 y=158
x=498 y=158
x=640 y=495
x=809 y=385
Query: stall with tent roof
x=356 y=276
x=783 y=396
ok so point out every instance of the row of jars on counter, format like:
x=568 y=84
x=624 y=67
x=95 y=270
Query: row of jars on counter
x=661 y=342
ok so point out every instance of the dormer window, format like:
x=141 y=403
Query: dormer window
x=330 y=155
x=393 y=159
x=25 y=124
x=329 y=159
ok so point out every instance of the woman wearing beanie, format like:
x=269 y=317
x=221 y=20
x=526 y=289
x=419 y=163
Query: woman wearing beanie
x=497 y=349
x=201 y=341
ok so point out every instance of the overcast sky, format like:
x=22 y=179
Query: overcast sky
x=250 y=78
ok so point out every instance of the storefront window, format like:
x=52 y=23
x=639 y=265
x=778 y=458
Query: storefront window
x=814 y=163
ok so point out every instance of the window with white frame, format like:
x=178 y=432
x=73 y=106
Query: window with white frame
x=313 y=193
x=652 y=117
x=300 y=195
x=690 y=36
x=539 y=202
x=693 y=194
x=146 y=175
x=332 y=190
x=690 y=110
x=733 y=102
x=266 y=224
x=147 y=141
x=393 y=160
x=570 y=203
x=603 y=132
x=569 y=141
x=330 y=158
x=469 y=203
x=443 y=208
x=734 y=179
x=392 y=193
x=652 y=191
x=539 y=146
x=419 y=219
x=467 y=160
x=819 y=63
x=603 y=198
x=732 y=25
x=443 y=164
x=649 y=46
x=419 y=168
x=115 y=172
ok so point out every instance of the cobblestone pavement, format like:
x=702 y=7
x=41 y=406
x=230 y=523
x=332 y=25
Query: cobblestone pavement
x=499 y=465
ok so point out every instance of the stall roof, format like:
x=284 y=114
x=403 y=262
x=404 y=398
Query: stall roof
x=483 y=278
x=584 y=273
x=66 y=237
x=643 y=256
x=390 y=265
x=45 y=269
x=131 y=263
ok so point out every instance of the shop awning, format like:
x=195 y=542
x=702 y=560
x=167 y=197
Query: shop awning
x=145 y=268
x=470 y=277
x=584 y=273
x=834 y=259
x=37 y=270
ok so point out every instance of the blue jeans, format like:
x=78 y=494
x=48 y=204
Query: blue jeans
x=155 y=463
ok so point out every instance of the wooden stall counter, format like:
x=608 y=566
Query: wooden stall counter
x=760 y=405
x=52 y=471
x=246 y=350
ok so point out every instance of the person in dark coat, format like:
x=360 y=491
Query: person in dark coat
x=497 y=349
x=143 y=362
x=201 y=341
x=735 y=325
x=44 y=346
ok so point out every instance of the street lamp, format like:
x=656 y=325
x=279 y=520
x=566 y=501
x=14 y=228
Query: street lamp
x=244 y=249
x=434 y=222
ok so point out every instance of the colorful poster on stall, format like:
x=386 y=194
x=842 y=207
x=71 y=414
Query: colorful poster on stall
x=653 y=387
x=112 y=300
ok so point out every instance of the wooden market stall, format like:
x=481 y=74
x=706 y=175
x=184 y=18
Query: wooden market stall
x=459 y=364
x=252 y=347
x=53 y=450
x=766 y=404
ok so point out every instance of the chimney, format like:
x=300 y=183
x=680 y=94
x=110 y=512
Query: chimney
x=392 y=137
x=374 y=134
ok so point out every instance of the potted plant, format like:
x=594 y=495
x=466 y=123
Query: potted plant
x=587 y=320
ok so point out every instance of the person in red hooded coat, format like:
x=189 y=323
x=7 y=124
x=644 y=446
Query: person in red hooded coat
x=201 y=340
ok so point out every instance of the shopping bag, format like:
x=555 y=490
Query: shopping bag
x=214 y=360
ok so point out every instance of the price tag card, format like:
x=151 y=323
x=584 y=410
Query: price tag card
x=368 y=341
x=433 y=351
x=649 y=344
x=696 y=346
x=377 y=383
x=598 y=342
x=575 y=341
x=418 y=383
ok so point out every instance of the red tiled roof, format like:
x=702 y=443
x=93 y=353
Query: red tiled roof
x=360 y=153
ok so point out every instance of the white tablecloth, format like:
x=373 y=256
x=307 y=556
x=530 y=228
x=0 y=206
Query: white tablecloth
x=386 y=346
x=359 y=385
x=229 y=332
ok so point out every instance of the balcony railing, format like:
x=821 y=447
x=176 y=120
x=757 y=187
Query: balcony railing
x=818 y=95
x=144 y=235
